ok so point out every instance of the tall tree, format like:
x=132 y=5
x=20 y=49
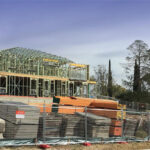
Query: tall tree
x=136 y=82
x=138 y=50
x=109 y=87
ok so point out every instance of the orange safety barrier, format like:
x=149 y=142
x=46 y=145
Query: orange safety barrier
x=69 y=109
x=108 y=113
x=115 y=131
x=48 y=107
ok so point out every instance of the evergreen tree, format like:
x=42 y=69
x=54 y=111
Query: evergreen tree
x=109 y=88
x=136 y=80
x=137 y=50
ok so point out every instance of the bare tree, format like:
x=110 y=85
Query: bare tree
x=101 y=75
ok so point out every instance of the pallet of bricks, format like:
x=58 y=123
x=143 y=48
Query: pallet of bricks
x=21 y=120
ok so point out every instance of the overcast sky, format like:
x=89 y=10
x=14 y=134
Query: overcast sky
x=85 y=31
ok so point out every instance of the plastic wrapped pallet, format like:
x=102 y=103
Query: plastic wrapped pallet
x=20 y=131
x=8 y=112
x=73 y=125
x=21 y=120
x=130 y=127
x=97 y=126
x=52 y=128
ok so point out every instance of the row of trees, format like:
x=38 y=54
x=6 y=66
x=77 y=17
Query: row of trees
x=106 y=85
x=137 y=69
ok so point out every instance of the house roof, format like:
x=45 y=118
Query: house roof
x=31 y=53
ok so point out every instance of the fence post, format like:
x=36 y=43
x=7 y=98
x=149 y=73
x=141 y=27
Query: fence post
x=133 y=106
x=122 y=126
x=85 y=124
x=44 y=115
x=148 y=113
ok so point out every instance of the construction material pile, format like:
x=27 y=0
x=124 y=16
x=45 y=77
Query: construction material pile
x=50 y=125
x=97 y=126
x=68 y=125
x=2 y=128
x=21 y=120
x=130 y=127
x=101 y=107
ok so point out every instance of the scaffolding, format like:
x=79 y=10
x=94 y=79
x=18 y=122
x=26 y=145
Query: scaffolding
x=28 y=72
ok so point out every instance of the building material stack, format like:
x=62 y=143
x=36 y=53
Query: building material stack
x=2 y=128
x=97 y=126
x=112 y=110
x=102 y=107
x=50 y=126
x=130 y=127
x=21 y=120
x=73 y=125
x=115 y=128
x=70 y=105
x=68 y=125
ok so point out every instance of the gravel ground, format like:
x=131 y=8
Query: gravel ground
x=131 y=146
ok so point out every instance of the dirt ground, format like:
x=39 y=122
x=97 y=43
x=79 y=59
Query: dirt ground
x=130 y=146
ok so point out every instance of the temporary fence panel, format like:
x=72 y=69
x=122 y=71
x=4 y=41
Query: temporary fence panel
x=24 y=122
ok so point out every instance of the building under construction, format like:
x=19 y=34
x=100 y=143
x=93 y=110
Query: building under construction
x=28 y=72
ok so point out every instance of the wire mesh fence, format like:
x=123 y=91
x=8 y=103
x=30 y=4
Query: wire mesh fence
x=24 y=124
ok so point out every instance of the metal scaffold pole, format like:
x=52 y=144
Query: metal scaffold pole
x=85 y=124
x=122 y=122
x=44 y=126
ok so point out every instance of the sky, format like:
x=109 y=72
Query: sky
x=85 y=31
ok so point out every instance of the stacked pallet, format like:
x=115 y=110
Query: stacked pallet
x=130 y=127
x=73 y=125
x=112 y=111
x=20 y=131
x=50 y=126
x=115 y=128
x=21 y=120
x=97 y=126
x=2 y=128
x=59 y=125
x=107 y=108
x=68 y=125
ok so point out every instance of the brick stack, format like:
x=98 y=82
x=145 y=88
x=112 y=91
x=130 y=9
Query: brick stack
x=19 y=128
